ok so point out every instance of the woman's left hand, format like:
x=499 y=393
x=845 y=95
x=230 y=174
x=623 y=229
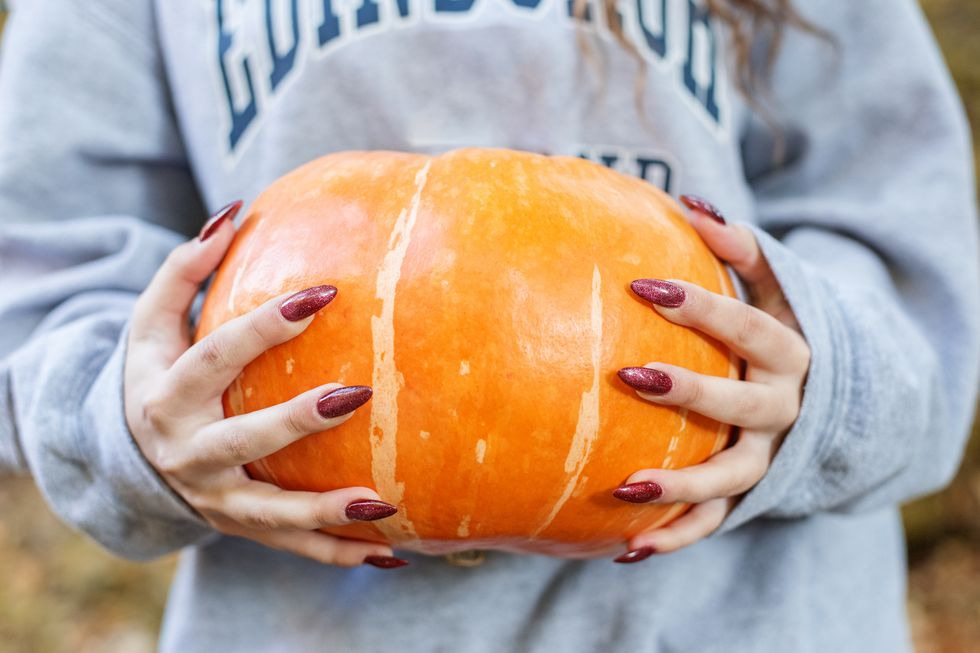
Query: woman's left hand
x=764 y=405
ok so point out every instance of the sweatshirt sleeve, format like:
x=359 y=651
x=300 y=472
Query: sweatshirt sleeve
x=90 y=159
x=871 y=229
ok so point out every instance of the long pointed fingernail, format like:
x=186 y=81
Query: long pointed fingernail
x=307 y=302
x=343 y=400
x=659 y=292
x=641 y=492
x=226 y=212
x=636 y=555
x=385 y=562
x=696 y=203
x=369 y=510
x=647 y=380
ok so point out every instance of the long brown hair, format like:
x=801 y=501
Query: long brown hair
x=750 y=24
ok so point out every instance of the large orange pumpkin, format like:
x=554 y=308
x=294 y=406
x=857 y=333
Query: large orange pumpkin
x=484 y=295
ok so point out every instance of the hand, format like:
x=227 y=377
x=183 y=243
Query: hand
x=173 y=392
x=764 y=405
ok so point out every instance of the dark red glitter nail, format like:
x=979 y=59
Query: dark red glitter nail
x=385 y=562
x=343 y=400
x=636 y=555
x=646 y=380
x=641 y=492
x=226 y=212
x=695 y=203
x=369 y=510
x=306 y=302
x=659 y=292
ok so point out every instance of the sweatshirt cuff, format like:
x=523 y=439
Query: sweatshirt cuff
x=788 y=488
x=151 y=519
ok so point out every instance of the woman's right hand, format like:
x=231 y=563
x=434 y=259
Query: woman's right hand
x=172 y=395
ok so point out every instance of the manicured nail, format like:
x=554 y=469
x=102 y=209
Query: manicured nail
x=226 y=212
x=385 y=562
x=343 y=400
x=369 y=510
x=704 y=206
x=659 y=292
x=636 y=555
x=639 y=492
x=306 y=302
x=643 y=378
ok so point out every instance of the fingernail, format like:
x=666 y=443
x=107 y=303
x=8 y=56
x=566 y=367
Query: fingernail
x=385 y=562
x=369 y=510
x=636 y=555
x=343 y=400
x=659 y=292
x=647 y=380
x=307 y=302
x=226 y=212
x=695 y=203
x=639 y=492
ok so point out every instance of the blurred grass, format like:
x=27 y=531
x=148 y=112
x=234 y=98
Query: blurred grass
x=61 y=593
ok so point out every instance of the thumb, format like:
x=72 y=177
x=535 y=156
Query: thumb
x=161 y=311
x=734 y=244
x=737 y=246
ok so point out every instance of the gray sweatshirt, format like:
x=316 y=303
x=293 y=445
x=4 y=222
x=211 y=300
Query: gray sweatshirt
x=123 y=121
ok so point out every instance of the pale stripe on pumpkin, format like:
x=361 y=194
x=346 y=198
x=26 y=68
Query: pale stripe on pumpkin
x=587 y=428
x=385 y=378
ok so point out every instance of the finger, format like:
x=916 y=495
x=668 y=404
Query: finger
x=161 y=311
x=732 y=243
x=205 y=370
x=698 y=523
x=758 y=406
x=328 y=549
x=259 y=506
x=751 y=333
x=239 y=440
x=729 y=473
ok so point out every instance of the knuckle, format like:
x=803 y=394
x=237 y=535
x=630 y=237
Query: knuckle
x=260 y=519
x=757 y=473
x=294 y=419
x=212 y=354
x=799 y=354
x=236 y=446
x=743 y=482
x=324 y=514
x=169 y=462
x=748 y=407
x=714 y=520
x=694 y=392
x=697 y=305
x=154 y=412
x=261 y=328
x=681 y=489
x=748 y=327
x=789 y=413
x=204 y=503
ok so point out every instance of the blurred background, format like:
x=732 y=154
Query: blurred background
x=59 y=592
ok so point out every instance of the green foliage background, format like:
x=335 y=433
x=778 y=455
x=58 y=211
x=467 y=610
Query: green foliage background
x=59 y=592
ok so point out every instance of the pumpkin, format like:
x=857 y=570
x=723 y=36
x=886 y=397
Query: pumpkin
x=484 y=296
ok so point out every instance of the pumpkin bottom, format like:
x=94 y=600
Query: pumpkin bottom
x=582 y=544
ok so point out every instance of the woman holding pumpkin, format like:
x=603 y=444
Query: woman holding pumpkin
x=860 y=339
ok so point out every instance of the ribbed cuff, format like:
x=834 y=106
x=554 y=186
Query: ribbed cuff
x=785 y=491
